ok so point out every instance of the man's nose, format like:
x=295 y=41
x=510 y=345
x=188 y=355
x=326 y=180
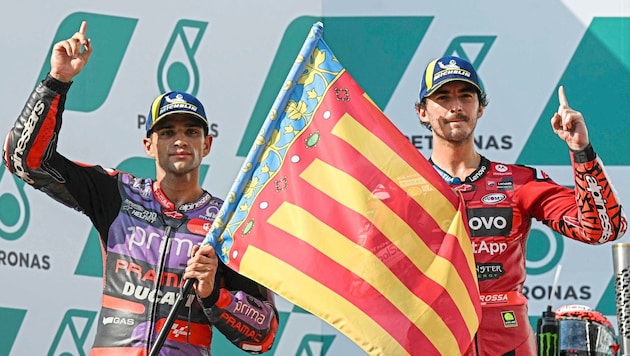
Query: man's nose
x=456 y=105
x=179 y=140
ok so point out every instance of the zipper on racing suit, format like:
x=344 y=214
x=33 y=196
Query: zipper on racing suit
x=173 y=220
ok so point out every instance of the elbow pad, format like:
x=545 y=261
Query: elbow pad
x=32 y=142
x=247 y=322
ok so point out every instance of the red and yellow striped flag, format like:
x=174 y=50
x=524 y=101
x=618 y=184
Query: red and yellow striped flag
x=336 y=211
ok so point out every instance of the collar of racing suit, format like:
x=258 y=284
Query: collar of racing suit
x=484 y=166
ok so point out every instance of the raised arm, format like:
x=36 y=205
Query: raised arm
x=31 y=145
x=592 y=213
x=569 y=124
x=69 y=56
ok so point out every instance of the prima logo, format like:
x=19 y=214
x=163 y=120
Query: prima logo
x=90 y=264
x=138 y=237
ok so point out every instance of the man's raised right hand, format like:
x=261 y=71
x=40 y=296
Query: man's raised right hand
x=70 y=56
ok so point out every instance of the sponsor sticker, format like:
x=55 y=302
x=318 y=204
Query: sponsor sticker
x=509 y=319
x=493 y=198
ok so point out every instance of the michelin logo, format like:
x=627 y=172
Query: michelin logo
x=178 y=102
x=450 y=68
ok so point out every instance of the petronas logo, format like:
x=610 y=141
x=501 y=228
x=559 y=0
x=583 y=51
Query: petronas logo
x=178 y=69
x=544 y=250
x=15 y=212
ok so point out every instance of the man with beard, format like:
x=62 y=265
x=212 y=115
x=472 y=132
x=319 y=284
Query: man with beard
x=502 y=199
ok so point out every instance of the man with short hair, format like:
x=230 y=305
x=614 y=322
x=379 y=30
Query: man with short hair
x=150 y=229
x=502 y=199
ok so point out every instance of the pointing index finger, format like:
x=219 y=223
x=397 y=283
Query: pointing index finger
x=561 y=97
x=83 y=28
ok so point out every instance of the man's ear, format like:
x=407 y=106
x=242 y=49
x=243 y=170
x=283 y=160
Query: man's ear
x=480 y=112
x=422 y=114
x=148 y=146
x=207 y=144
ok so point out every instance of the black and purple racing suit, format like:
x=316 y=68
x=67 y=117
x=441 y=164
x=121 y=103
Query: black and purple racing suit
x=146 y=243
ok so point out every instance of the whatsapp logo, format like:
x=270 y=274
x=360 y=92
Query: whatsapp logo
x=111 y=35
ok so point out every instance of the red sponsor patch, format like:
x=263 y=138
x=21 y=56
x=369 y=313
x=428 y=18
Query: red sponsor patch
x=199 y=226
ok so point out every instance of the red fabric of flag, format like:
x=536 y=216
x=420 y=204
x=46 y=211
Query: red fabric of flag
x=339 y=214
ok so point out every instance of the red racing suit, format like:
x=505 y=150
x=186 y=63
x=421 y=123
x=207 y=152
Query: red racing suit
x=146 y=243
x=501 y=201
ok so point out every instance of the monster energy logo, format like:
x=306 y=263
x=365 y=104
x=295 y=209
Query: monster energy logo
x=548 y=344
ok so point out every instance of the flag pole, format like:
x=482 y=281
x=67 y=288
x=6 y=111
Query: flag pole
x=172 y=315
x=213 y=237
